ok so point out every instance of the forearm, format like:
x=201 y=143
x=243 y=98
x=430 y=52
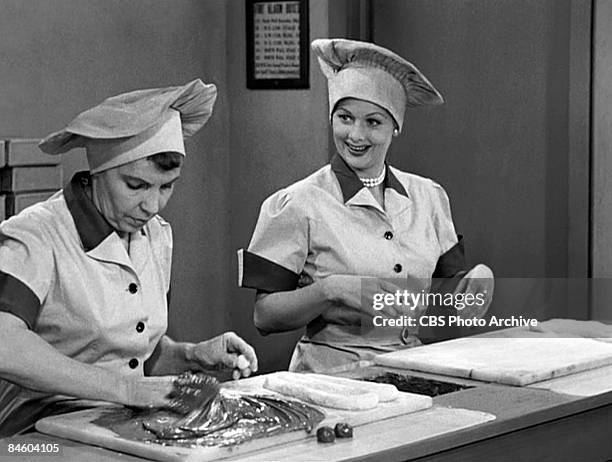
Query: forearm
x=27 y=360
x=284 y=311
x=170 y=358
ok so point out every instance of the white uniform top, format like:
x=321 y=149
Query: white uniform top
x=67 y=274
x=329 y=223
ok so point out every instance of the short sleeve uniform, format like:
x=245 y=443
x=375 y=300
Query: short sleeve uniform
x=67 y=274
x=329 y=223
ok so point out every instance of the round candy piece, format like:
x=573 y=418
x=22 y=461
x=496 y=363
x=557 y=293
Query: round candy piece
x=343 y=430
x=325 y=435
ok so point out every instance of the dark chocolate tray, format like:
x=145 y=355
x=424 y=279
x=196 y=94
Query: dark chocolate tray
x=418 y=385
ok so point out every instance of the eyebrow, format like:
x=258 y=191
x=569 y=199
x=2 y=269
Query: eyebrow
x=370 y=114
x=377 y=113
x=129 y=177
x=134 y=178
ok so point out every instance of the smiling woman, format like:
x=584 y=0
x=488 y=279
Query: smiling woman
x=324 y=247
x=362 y=135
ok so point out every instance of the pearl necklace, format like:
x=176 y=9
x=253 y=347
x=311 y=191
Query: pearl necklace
x=373 y=182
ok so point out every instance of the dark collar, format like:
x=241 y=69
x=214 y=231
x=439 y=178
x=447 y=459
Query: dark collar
x=350 y=184
x=90 y=224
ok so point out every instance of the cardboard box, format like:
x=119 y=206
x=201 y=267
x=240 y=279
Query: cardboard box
x=23 y=179
x=20 y=152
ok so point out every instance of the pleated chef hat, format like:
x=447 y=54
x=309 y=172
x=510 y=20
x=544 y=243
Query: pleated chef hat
x=135 y=125
x=372 y=73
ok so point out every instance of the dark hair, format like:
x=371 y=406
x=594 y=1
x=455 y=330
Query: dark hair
x=166 y=160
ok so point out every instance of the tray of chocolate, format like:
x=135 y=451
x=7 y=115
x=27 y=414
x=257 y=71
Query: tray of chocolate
x=419 y=385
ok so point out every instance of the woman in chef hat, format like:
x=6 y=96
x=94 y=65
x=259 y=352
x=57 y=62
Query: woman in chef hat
x=85 y=275
x=326 y=248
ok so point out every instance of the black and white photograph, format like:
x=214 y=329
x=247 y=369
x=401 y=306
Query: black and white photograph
x=306 y=230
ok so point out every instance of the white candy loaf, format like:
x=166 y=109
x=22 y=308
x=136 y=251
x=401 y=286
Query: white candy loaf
x=385 y=391
x=315 y=391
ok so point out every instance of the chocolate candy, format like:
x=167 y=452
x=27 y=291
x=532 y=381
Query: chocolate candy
x=325 y=435
x=343 y=430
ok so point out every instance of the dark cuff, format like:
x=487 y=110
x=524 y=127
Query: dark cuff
x=18 y=299
x=451 y=262
x=441 y=310
x=259 y=273
x=449 y=271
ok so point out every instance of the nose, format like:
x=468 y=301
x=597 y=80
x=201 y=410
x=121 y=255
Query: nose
x=356 y=132
x=151 y=204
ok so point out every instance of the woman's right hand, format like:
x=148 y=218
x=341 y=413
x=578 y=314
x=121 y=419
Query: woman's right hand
x=148 y=392
x=360 y=292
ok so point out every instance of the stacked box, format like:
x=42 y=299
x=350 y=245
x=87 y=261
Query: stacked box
x=21 y=152
x=27 y=175
x=27 y=179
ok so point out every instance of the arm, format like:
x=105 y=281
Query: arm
x=283 y=311
x=169 y=357
x=172 y=357
x=27 y=360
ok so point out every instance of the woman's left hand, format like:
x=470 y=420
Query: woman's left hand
x=480 y=283
x=227 y=350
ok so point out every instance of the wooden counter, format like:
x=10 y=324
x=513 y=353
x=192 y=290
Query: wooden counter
x=531 y=424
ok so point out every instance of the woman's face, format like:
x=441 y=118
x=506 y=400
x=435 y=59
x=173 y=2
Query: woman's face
x=362 y=135
x=130 y=195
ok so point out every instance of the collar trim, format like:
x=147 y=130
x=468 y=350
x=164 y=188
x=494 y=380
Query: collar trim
x=350 y=184
x=90 y=224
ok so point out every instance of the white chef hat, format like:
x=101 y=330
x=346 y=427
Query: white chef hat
x=135 y=125
x=372 y=73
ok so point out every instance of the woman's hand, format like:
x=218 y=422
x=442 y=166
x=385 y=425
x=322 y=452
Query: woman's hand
x=364 y=294
x=227 y=350
x=478 y=281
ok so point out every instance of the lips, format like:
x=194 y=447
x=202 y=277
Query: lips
x=357 y=150
x=139 y=221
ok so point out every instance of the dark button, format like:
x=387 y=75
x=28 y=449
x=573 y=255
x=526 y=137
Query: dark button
x=140 y=327
x=133 y=288
x=133 y=363
x=397 y=268
x=388 y=235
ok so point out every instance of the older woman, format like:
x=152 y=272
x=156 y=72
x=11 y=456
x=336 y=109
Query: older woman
x=85 y=276
x=327 y=247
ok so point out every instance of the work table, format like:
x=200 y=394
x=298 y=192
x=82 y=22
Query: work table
x=530 y=424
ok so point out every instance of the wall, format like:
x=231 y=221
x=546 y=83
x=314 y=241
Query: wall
x=277 y=137
x=62 y=56
x=503 y=142
x=602 y=161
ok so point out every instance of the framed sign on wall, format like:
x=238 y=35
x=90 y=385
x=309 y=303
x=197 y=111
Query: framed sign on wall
x=277 y=44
